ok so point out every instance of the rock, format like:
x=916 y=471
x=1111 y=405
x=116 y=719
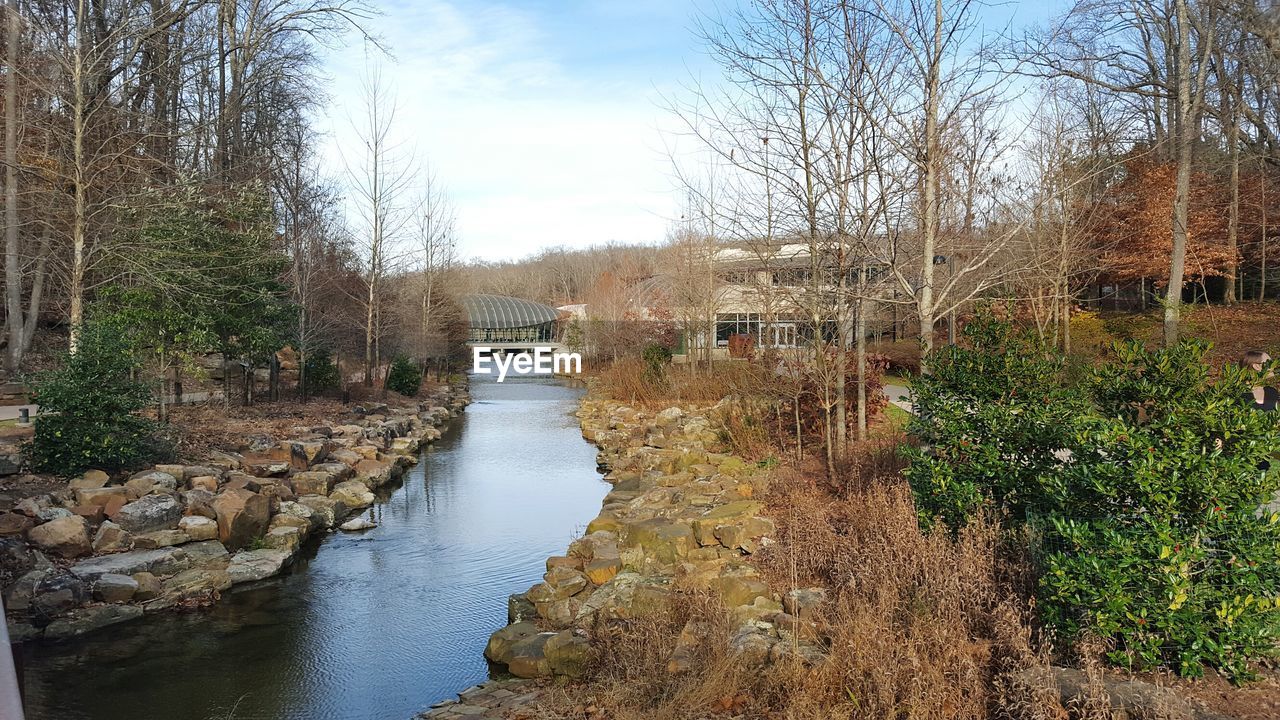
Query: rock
x=355 y=524
x=662 y=540
x=668 y=417
x=241 y=481
x=208 y=483
x=66 y=537
x=31 y=507
x=353 y=494
x=267 y=468
x=113 y=588
x=566 y=581
x=92 y=514
x=251 y=565
x=570 y=562
x=15 y=524
x=312 y=482
x=57 y=591
x=242 y=517
x=602 y=570
x=91 y=618
x=527 y=658
x=160 y=561
x=148 y=514
x=339 y=471
x=1127 y=698
x=286 y=538
x=567 y=653
x=90 y=479
x=191 y=472
x=160 y=539
x=111 y=538
x=15 y=558
x=149 y=586
x=374 y=473
x=326 y=511
x=151 y=481
x=501 y=642
x=804 y=602
x=627 y=596
x=225 y=460
x=520 y=609
x=302 y=512
x=198 y=527
x=200 y=502
x=195 y=582
x=50 y=514
x=739 y=587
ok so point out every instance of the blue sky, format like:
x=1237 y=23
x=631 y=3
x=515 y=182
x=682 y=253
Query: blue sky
x=545 y=118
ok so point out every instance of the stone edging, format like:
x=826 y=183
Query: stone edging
x=110 y=550
x=681 y=511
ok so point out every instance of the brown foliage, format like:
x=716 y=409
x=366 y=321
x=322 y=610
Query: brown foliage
x=1135 y=228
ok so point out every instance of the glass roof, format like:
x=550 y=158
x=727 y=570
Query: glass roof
x=499 y=312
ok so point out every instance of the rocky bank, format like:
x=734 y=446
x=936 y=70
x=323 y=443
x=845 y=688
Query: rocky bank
x=682 y=514
x=110 y=549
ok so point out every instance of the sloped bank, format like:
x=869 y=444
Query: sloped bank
x=108 y=550
x=682 y=513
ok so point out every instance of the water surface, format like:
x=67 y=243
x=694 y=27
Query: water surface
x=377 y=625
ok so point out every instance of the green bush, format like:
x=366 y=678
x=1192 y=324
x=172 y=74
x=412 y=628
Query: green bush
x=1142 y=484
x=321 y=372
x=656 y=357
x=404 y=377
x=989 y=417
x=88 y=409
x=1153 y=534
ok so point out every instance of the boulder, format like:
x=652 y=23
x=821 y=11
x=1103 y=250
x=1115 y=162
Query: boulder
x=111 y=538
x=339 y=471
x=160 y=539
x=92 y=514
x=312 y=482
x=66 y=537
x=91 y=618
x=527 y=658
x=500 y=644
x=353 y=494
x=100 y=496
x=242 y=517
x=148 y=514
x=520 y=609
x=374 y=473
x=22 y=590
x=57 y=591
x=567 y=653
x=283 y=537
x=198 y=527
x=200 y=502
x=149 y=586
x=90 y=479
x=151 y=481
x=356 y=524
x=302 y=512
x=160 y=561
x=113 y=588
x=326 y=511
x=662 y=540
x=251 y=565
x=602 y=570
x=204 y=482
x=14 y=524
x=804 y=602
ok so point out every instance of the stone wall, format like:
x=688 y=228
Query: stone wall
x=110 y=549
x=681 y=511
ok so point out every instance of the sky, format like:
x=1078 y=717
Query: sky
x=547 y=120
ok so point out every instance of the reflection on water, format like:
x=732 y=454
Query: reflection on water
x=375 y=625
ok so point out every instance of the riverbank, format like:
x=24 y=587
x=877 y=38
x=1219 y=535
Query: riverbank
x=682 y=518
x=105 y=550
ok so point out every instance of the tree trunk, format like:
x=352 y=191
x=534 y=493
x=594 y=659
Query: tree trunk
x=12 y=262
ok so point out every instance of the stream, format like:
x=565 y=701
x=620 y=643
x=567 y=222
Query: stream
x=369 y=626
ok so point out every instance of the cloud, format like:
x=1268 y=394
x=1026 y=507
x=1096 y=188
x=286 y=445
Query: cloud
x=538 y=146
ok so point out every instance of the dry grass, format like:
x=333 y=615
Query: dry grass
x=919 y=626
x=627 y=381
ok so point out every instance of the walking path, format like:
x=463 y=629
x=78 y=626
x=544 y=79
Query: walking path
x=899 y=395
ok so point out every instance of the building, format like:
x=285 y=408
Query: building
x=508 y=323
